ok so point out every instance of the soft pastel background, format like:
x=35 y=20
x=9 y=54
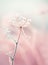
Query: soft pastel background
x=32 y=50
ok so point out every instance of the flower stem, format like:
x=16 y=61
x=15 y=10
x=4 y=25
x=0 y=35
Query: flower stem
x=12 y=58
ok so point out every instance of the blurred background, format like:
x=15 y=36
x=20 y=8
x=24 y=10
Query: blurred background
x=37 y=11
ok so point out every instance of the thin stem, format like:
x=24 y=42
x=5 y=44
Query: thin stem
x=17 y=41
x=12 y=58
x=15 y=50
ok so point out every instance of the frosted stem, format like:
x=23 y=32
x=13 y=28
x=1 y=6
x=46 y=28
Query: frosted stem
x=12 y=58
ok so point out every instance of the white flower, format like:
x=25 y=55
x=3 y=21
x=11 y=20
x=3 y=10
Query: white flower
x=11 y=26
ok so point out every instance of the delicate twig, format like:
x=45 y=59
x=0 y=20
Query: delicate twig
x=12 y=58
